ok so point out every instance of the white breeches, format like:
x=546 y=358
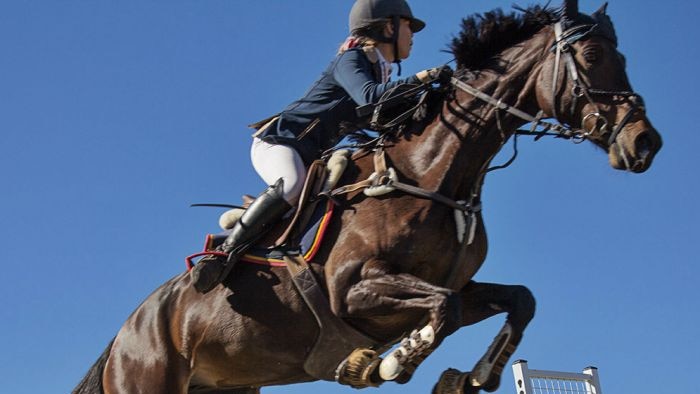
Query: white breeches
x=279 y=161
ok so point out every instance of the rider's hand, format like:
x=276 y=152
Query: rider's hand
x=441 y=75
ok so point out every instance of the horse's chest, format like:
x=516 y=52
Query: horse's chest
x=411 y=235
x=424 y=251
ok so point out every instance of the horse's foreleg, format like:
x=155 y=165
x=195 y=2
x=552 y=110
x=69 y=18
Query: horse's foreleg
x=481 y=301
x=390 y=295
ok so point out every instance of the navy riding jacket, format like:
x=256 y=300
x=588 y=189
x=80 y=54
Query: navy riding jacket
x=314 y=123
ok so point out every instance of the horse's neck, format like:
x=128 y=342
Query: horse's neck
x=454 y=150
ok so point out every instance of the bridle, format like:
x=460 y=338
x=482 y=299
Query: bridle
x=563 y=49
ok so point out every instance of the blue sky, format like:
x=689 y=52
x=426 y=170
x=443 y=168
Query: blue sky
x=115 y=116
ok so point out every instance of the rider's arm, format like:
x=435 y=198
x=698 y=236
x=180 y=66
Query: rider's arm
x=353 y=72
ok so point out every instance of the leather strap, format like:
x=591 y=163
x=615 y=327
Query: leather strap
x=336 y=339
x=380 y=168
x=428 y=195
x=315 y=177
x=351 y=188
x=380 y=160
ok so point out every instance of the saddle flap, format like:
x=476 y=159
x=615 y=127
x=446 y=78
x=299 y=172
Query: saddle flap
x=315 y=180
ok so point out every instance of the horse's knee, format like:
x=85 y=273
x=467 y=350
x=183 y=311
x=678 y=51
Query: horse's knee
x=361 y=298
x=523 y=309
x=450 y=315
x=354 y=299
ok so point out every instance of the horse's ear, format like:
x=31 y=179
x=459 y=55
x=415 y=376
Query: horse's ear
x=570 y=9
x=603 y=10
x=568 y=13
x=605 y=25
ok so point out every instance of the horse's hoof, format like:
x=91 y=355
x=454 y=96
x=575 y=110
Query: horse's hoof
x=487 y=376
x=487 y=382
x=487 y=372
x=489 y=385
x=492 y=384
x=452 y=381
x=358 y=369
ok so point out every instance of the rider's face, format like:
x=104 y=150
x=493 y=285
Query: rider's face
x=405 y=39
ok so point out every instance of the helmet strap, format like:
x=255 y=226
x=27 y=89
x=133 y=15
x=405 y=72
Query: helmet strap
x=396 y=21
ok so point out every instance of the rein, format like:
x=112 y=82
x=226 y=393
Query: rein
x=559 y=130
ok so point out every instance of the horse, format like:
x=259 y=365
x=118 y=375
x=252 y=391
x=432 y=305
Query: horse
x=398 y=267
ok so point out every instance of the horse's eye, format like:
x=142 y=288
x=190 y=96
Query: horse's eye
x=591 y=53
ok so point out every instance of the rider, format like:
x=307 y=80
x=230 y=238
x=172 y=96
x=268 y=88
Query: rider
x=381 y=33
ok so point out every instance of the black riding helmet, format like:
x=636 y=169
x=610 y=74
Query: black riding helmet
x=365 y=13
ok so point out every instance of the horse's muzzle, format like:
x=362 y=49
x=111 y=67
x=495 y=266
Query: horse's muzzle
x=634 y=150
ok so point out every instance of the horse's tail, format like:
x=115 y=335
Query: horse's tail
x=92 y=382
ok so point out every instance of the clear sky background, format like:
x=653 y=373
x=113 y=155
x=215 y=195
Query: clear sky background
x=116 y=115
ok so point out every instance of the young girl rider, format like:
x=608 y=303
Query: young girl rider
x=381 y=34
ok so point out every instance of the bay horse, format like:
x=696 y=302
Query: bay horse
x=400 y=265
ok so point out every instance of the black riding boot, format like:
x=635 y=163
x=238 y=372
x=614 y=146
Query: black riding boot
x=264 y=211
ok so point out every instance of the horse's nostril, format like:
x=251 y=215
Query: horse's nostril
x=643 y=145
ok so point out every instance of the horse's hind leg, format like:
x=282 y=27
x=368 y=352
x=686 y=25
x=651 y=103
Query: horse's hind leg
x=143 y=360
x=145 y=375
x=480 y=301
x=390 y=295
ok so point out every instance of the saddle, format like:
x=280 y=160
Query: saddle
x=295 y=232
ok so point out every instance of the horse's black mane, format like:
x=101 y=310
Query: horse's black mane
x=484 y=35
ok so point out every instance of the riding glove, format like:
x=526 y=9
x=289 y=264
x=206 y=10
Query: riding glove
x=441 y=75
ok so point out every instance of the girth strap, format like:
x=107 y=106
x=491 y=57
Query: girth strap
x=336 y=339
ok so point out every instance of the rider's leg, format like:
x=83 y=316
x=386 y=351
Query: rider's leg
x=273 y=162
x=276 y=164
